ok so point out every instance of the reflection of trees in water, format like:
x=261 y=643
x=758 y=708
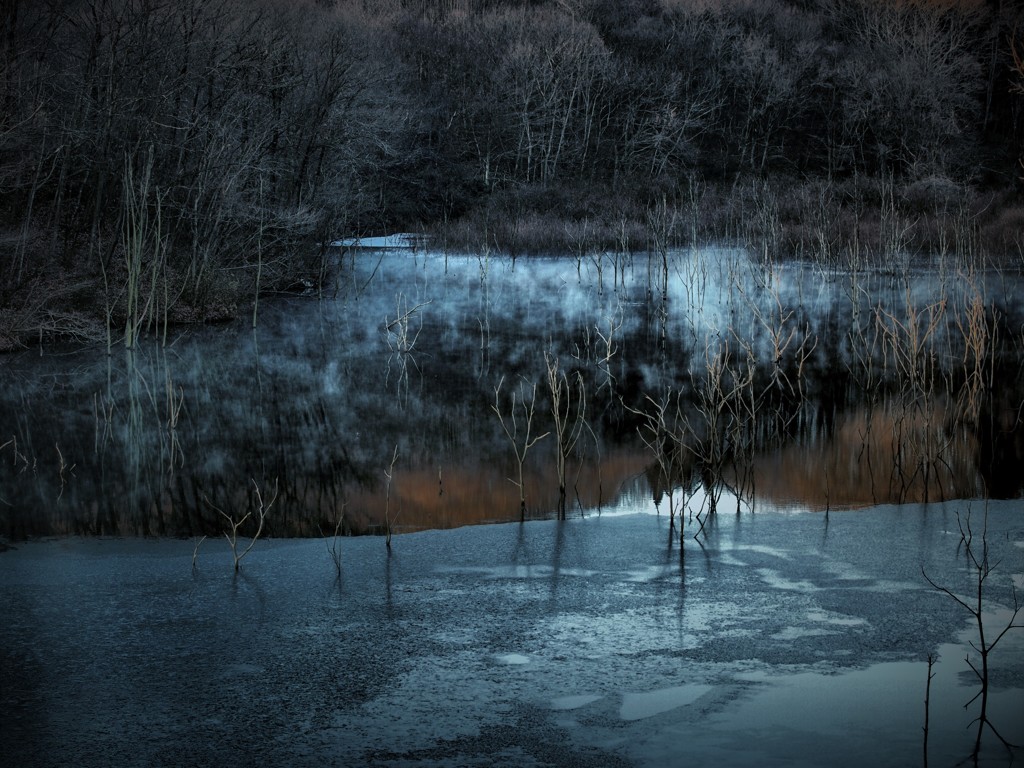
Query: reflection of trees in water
x=833 y=403
x=469 y=492
x=874 y=456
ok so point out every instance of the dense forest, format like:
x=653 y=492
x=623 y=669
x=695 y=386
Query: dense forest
x=167 y=161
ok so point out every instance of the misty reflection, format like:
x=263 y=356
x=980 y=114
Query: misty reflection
x=728 y=387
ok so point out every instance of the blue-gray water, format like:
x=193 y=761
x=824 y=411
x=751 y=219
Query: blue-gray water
x=787 y=637
x=834 y=388
x=784 y=639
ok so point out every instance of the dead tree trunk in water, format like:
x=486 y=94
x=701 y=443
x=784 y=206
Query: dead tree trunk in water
x=982 y=568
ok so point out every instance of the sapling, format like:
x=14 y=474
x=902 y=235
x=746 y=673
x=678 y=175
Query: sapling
x=663 y=434
x=864 y=336
x=694 y=275
x=582 y=352
x=719 y=388
x=824 y=228
x=518 y=431
x=779 y=329
x=332 y=543
x=911 y=346
x=597 y=259
x=979 y=344
x=18 y=457
x=569 y=417
x=766 y=220
x=981 y=569
x=389 y=473
x=577 y=233
x=139 y=237
x=622 y=252
x=485 y=344
x=261 y=507
x=803 y=354
x=259 y=257
x=608 y=348
x=744 y=416
x=597 y=464
x=195 y=551
x=661 y=226
x=103 y=417
x=927 y=706
x=894 y=231
x=912 y=342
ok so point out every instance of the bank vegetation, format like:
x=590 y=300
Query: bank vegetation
x=167 y=161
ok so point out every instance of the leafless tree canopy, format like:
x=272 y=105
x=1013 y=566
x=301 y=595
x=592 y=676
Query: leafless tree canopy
x=263 y=128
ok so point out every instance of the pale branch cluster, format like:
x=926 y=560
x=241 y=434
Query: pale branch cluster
x=663 y=433
x=258 y=506
x=568 y=414
x=517 y=424
x=401 y=337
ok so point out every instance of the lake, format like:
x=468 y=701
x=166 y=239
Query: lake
x=761 y=465
x=786 y=385
x=784 y=639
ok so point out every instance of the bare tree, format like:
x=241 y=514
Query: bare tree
x=518 y=429
x=665 y=434
x=982 y=569
x=258 y=505
x=568 y=411
x=332 y=543
x=389 y=521
x=910 y=82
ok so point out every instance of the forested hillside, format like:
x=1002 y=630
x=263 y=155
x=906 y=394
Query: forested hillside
x=167 y=160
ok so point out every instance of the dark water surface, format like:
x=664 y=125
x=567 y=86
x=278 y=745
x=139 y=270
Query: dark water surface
x=696 y=383
x=788 y=386
x=783 y=640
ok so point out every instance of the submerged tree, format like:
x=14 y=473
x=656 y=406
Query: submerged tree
x=261 y=507
x=517 y=424
x=974 y=604
x=568 y=411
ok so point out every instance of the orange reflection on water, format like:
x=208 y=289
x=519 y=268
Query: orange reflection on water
x=889 y=454
x=432 y=496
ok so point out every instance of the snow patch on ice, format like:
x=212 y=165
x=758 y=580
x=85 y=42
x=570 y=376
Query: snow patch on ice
x=761 y=549
x=574 y=702
x=637 y=706
x=795 y=633
x=841 y=621
x=512 y=659
x=774 y=579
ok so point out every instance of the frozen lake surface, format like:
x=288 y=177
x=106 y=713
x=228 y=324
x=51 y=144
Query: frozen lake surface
x=786 y=639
